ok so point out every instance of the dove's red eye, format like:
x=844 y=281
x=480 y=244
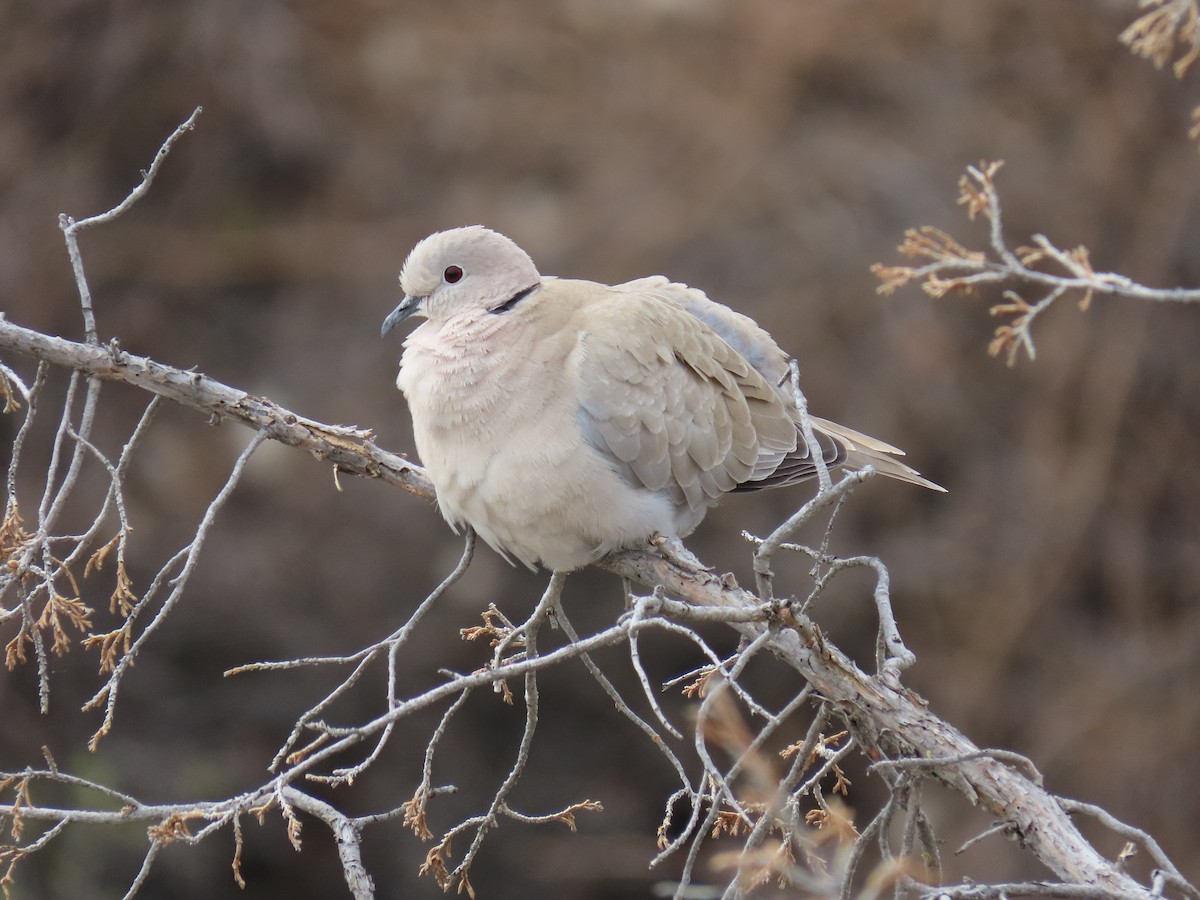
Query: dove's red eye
x=452 y=274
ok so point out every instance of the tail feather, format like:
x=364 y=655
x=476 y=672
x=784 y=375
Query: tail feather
x=863 y=450
x=840 y=446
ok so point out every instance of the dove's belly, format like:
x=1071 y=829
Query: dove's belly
x=543 y=496
x=514 y=466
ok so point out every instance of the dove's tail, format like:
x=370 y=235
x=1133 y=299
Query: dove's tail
x=862 y=450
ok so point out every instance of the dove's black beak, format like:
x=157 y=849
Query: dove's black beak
x=407 y=307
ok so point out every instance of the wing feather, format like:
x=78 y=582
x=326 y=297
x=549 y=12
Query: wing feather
x=674 y=402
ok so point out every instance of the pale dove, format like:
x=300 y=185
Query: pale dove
x=562 y=419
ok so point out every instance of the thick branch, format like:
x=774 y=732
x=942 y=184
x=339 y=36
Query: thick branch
x=894 y=722
x=350 y=449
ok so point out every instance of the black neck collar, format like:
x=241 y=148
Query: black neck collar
x=513 y=300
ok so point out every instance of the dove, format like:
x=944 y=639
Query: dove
x=563 y=419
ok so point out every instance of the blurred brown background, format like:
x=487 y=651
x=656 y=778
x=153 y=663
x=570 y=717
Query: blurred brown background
x=767 y=151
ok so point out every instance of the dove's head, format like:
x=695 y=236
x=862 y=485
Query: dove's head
x=472 y=269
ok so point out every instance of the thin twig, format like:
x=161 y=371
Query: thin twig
x=71 y=228
x=108 y=693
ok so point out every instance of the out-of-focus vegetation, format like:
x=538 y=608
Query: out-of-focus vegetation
x=766 y=151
